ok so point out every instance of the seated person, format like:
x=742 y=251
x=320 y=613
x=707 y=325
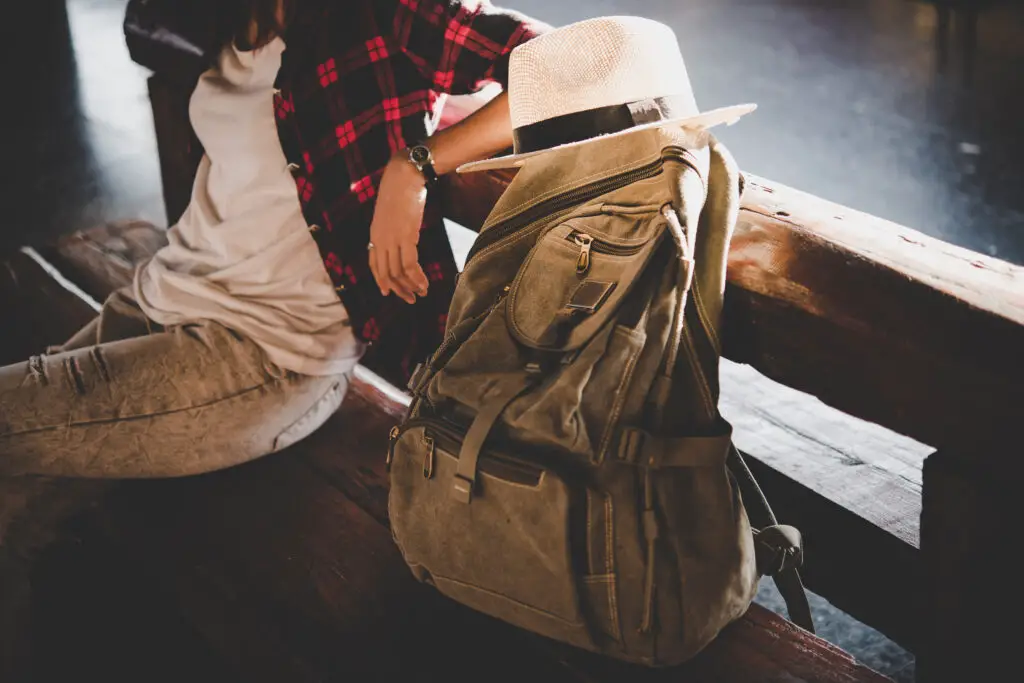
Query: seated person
x=309 y=241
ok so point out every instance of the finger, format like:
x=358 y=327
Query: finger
x=387 y=280
x=407 y=263
x=388 y=283
x=375 y=270
x=398 y=283
x=407 y=285
x=412 y=271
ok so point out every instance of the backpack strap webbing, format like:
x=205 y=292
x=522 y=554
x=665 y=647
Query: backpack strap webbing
x=493 y=406
x=779 y=548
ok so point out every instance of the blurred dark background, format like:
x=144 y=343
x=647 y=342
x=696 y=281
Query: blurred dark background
x=911 y=110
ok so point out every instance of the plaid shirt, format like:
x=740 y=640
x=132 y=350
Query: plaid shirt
x=360 y=81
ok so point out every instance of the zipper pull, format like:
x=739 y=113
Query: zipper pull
x=428 y=460
x=502 y=294
x=392 y=439
x=583 y=262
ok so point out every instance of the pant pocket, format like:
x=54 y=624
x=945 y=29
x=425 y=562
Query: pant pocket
x=314 y=418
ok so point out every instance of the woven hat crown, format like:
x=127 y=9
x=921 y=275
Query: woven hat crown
x=602 y=77
x=596 y=63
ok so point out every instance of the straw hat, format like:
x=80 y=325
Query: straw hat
x=599 y=78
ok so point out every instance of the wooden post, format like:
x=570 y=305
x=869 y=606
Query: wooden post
x=970 y=535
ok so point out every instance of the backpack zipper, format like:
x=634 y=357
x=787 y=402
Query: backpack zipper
x=569 y=199
x=588 y=244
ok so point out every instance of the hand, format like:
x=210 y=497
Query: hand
x=395 y=231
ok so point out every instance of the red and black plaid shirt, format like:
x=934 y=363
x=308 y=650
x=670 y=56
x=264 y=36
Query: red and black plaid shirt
x=359 y=81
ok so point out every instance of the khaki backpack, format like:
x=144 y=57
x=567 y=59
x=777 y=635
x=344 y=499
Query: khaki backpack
x=563 y=465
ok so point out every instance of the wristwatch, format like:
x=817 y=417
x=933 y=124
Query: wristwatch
x=422 y=159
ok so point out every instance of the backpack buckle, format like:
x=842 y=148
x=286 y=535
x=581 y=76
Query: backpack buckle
x=463 y=489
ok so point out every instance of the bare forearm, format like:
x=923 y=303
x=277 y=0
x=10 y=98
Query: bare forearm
x=398 y=215
x=480 y=135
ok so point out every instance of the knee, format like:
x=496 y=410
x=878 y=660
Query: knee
x=325 y=405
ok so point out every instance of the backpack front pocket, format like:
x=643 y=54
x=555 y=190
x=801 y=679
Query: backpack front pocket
x=577 y=275
x=507 y=553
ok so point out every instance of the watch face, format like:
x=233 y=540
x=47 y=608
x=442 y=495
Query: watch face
x=420 y=154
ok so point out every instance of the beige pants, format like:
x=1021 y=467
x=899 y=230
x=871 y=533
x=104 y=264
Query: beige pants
x=127 y=399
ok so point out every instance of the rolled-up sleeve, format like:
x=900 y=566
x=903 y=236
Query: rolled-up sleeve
x=458 y=45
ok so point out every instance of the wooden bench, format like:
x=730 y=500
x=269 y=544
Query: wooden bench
x=297 y=521
x=286 y=568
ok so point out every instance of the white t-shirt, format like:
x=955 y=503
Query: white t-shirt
x=242 y=253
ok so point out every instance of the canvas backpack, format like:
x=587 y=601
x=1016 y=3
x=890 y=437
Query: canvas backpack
x=563 y=465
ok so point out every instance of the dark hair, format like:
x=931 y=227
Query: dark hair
x=236 y=19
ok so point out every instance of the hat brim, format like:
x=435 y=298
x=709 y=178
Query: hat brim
x=709 y=119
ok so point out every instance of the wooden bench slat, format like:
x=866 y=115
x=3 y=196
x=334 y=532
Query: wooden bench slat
x=262 y=559
x=291 y=581
x=27 y=324
x=272 y=560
